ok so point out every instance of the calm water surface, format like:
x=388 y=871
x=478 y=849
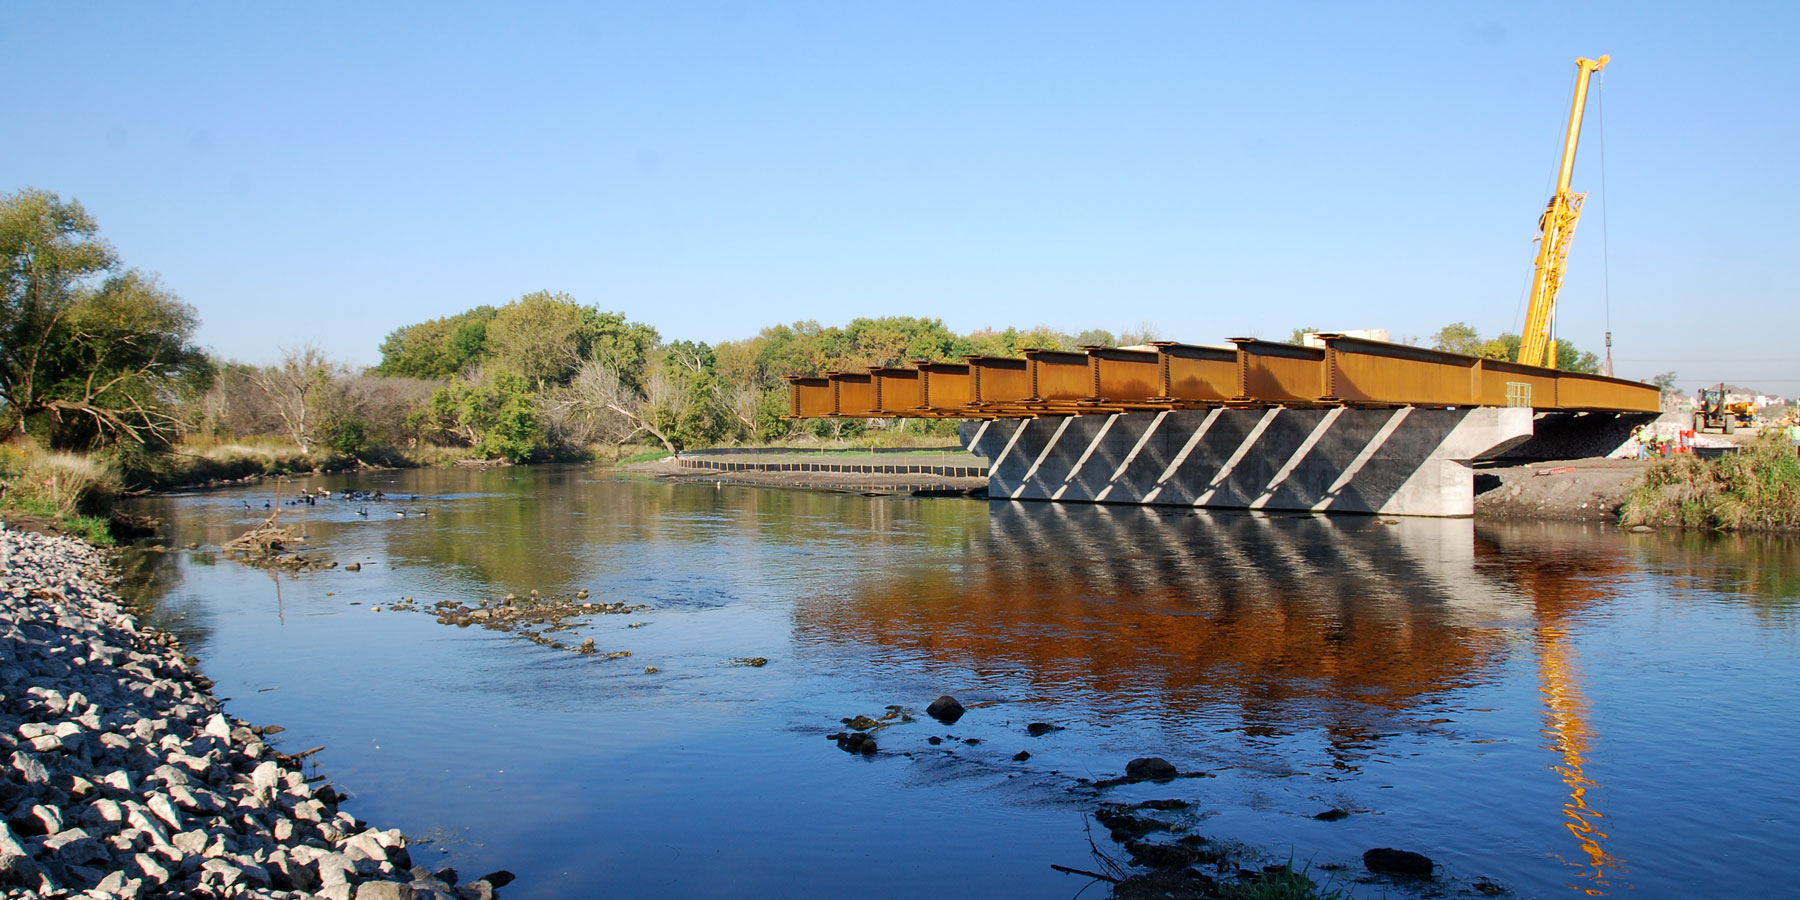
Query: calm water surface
x=1562 y=710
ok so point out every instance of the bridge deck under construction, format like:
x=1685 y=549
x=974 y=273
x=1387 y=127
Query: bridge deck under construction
x=1346 y=372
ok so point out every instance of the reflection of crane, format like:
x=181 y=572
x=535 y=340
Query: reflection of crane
x=1559 y=586
x=1554 y=231
x=1566 y=725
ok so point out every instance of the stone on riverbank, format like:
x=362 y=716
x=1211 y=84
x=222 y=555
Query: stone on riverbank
x=121 y=776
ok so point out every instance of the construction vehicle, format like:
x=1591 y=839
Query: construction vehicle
x=1555 y=229
x=1716 y=409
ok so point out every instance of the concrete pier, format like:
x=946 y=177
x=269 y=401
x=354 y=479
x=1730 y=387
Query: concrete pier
x=1404 y=462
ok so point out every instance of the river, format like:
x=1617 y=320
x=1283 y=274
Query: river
x=1561 y=710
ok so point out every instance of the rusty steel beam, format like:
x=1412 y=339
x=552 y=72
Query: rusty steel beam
x=1598 y=393
x=809 y=398
x=1000 y=380
x=1126 y=376
x=1346 y=372
x=1515 y=384
x=1280 y=373
x=1379 y=373
x=853 y=394
x=1195 y=374
x=898 y=392
x=1059 y=376
x=946 y=388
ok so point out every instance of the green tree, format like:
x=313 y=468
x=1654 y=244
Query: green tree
x=1043 y=337
x=542 y=336
x=438 y=348
x=1457 y=337
x=1096 y=337
x=122 y=355
x=1460 y=337
x=797 y=349
x=100 y=354
x=496 y=415
x=1505 y=347
x=988 y=342
x=618 y=343
x=1569 y=359
x=546 y=337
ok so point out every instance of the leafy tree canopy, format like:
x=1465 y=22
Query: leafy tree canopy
x=438 y=348
x=1460 y=337
x=99 y=353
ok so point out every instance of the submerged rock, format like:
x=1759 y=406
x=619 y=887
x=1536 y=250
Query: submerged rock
x=1164 y=805
x=945 y=709
x=856 y=742
x=1123 y=825
x=1163 y=884
x=1389 y=861
x=1151 y=768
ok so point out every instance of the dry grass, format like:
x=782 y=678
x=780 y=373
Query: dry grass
x=1757 y=489
x=58 y=486
x=66 y=482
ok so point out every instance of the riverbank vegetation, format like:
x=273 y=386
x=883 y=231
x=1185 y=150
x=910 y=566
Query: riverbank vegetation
x=1756 y=489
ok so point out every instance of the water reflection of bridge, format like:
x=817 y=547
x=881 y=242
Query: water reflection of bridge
x=1269 y=625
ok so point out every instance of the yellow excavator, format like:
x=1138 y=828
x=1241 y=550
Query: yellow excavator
x=1555 y=229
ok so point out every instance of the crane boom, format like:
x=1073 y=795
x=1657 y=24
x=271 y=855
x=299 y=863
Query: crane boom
x=1555 y=230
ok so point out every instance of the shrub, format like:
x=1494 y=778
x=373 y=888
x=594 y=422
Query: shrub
x=1756 y=489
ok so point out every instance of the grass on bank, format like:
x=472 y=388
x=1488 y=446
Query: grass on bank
x=62 y=487
x=201 y=459
x=1755 y=489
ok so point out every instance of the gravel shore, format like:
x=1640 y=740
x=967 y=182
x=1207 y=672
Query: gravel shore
x=124 y=778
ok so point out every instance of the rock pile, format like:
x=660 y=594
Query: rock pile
x=120 y=776
x=535 y=617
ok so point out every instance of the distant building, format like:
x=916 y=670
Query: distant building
x=1311 y=338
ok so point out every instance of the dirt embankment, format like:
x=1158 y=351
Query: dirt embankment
x=1578 y=490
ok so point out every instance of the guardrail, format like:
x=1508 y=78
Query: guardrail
x=1347 y=371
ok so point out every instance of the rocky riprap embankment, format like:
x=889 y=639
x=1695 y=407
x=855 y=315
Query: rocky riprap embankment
x=121 y=777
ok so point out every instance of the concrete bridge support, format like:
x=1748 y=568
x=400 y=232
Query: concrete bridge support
x=1403 y=462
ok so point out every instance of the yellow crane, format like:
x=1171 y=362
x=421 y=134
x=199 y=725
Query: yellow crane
x=1555 y=230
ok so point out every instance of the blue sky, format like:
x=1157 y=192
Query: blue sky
x=326 y=173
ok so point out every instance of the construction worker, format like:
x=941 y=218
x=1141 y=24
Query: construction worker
x=1794 y=433
x=1641 y=437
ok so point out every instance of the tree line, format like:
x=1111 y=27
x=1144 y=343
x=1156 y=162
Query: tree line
x=98 y=356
